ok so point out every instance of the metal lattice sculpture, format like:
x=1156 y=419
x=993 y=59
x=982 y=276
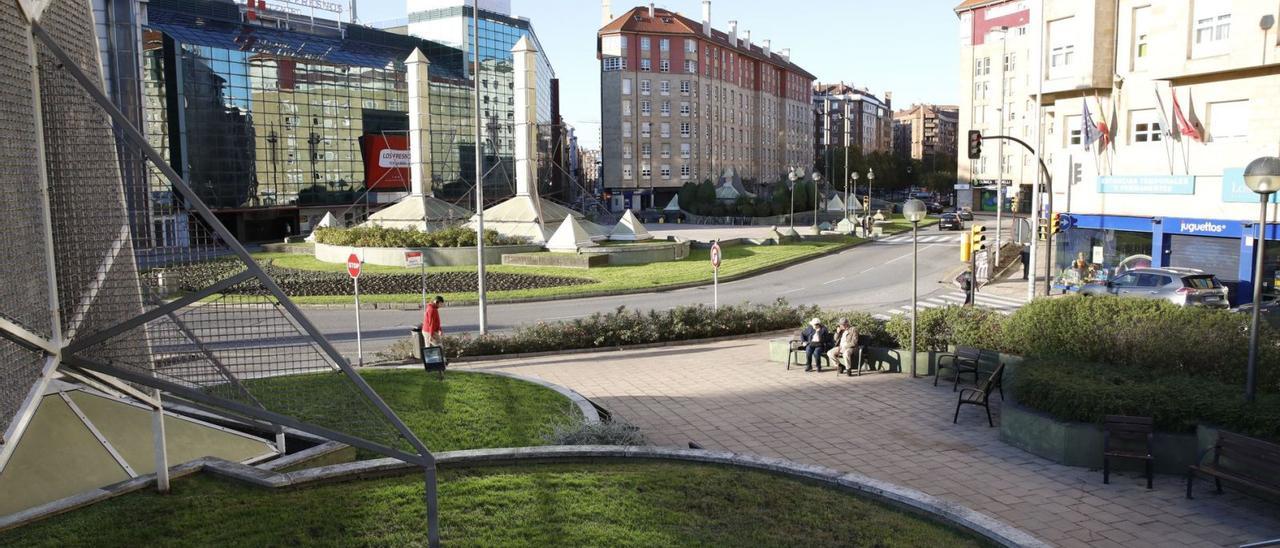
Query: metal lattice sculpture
x=121 y=316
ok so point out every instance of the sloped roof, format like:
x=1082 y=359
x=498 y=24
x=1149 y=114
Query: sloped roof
x=669 y=22
x=971 y=4
x=412 y=211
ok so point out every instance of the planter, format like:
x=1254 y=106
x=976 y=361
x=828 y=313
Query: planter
x=434 y=256
x=556 y=260
x=1080 y=444
x=640 y=253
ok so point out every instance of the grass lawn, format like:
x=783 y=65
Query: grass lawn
x=466 y=411
x=598 y=504
x=737 y=261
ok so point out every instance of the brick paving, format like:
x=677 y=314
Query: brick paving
x=727 y=396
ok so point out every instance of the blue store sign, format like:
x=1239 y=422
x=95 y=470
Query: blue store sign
x=1203 y=227
x=1147 y=184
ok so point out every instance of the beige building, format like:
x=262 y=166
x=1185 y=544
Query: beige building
x=683 y=102
x=925 y=131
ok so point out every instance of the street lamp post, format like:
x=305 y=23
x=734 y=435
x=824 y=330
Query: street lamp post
x=817 y=179
x=795 y=176
x=854 y=175
x=914 y=210
x=1263 y=177
x=871 y=177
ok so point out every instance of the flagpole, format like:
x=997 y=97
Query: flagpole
x=1037 y=184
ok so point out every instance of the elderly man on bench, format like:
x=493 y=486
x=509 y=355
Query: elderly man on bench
x=846 y=345
x=815 y=339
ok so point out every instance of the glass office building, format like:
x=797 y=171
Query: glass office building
x=271 y=119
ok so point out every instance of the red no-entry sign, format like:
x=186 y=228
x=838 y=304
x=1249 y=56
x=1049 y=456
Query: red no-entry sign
x=353 y=266
x=715 y=254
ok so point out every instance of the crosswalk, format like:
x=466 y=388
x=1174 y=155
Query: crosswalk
x=900 y=239
x=1003 y=305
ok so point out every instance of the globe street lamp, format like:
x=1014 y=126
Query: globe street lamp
x=795 y=176
x=1263 y=177
x=914 y=210
x=871 y=177
x=817 y=178
x=854 y=175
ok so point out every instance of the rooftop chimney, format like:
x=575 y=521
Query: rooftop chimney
x=766 y=45
x=651 y=13
x=786 y=54
x=733 y=33
x=746 y=39
x=706 y=17
x=606 y=13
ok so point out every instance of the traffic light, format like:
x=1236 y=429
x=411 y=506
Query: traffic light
x=977 y=238
x=965 y=249
x=1055 y=223
x=975 y=144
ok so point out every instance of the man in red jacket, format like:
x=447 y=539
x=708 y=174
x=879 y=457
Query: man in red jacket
x=431 y=328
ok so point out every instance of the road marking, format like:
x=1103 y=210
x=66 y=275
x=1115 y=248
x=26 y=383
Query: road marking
x=833 y=281
x=792 y=290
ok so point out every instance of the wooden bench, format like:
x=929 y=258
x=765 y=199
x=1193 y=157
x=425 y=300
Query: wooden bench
x=964 y=360
x=1240 y=459
x=1127 y=438
x=982 y=395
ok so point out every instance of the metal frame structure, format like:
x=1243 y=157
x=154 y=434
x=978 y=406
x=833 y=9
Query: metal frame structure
x=84 y=350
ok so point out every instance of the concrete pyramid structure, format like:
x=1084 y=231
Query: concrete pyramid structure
x=570 y=237
x=674 y=205
x=328 y=221
x=423 y=213
x=629 y=228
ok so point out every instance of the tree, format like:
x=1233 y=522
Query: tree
x=688 y=194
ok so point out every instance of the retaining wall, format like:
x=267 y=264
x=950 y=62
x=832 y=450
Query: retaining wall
x=434 y=256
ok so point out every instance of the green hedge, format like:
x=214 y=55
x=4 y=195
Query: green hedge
x=1069 y=390
x=403 y=237
x=628 y=327
x=937 y=328
x=1146 y=334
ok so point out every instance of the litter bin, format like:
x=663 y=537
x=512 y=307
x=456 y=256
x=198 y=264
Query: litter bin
x=415 y=343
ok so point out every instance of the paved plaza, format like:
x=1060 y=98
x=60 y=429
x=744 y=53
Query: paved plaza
x=726 y=395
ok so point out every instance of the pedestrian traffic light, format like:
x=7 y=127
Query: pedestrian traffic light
x=1055 y=223
x=965 y=249
x=975 y=144
x=1043 y=232
x=977 y=238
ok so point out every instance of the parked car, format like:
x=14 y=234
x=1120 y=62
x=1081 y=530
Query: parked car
x=933 y=207
x=949 y=221
x=1180 y=286
x=965 y=214
x=1270 y=310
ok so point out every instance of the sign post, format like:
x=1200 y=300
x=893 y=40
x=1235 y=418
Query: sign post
x=412 y=259
x=715 y=275
x=353 y=268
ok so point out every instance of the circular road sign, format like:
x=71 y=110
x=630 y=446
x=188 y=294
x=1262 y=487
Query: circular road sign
x=715 y=254
x=353 y=266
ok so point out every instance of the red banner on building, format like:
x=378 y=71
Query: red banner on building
x=386 y=162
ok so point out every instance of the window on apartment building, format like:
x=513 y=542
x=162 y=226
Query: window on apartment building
x=979 y=91
x=1141 y=37
x=645 y=130
x=626 y=151
x=626 y=86
x=1145 y=126
x=684 y=87
x=1010 y=61
x=1009 y=113
x=646 y=65
x=1061 y=46
x=684 y=129
x=645 y=171
x=665 y=109
x=1228 y=121
x=685 y=171
x=684 y=150
x=611 y=64
x=664 y=45
x=1009 y=86
x=644 y=87
x=626 y=129
x=646 y=150
x=644 y=43
x=626 y=171
x=626 y=108
x=665 y=171
x=982 y=67
x=690 y=66
x=666 y=150
x=1211 y=27
x=1071 y=130
x=664 y=87
x=690 y=46
x=684 y=108
x=664 y=130
x=645 y=108
x=664 y=65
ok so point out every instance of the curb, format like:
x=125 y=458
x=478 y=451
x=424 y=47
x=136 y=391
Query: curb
x=904 y=498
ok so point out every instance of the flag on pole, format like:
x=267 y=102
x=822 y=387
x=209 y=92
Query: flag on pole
x=1088 y=130
x=1104 y=132
x=1165 y=128
x=1192 y=128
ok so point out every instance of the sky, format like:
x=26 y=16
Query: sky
x=908 y=47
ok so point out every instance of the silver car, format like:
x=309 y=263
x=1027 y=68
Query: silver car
x=1180 y=286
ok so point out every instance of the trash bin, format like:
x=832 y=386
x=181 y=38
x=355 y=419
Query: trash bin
x=415 y=343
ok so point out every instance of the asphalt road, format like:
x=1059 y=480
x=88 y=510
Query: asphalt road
x=873 y=277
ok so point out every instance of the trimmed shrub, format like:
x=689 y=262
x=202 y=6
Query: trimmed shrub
x=1072 y=391
x=612 y=432
x=1145 y=333
x=373 y=236
x=629 y=327
x=938 y=328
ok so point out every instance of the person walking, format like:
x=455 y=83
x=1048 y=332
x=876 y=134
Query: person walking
x=432 y=331
x=814 y=337
x=966 y=283
x=846 y=344
x=1025 y=256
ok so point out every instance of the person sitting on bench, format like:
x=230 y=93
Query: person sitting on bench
x=814 y=338
x=846 y=345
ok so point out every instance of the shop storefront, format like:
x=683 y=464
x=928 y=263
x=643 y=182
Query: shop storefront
x=1096 y=248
